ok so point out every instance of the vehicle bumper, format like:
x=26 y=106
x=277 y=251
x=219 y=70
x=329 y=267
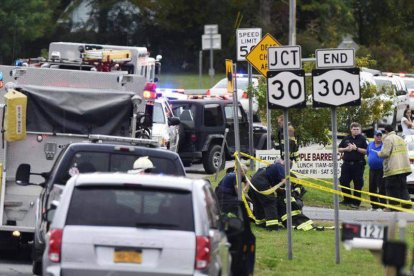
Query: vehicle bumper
x=190 y=156
x=410 y=183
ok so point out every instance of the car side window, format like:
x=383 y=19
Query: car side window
x=158 y=114
x=228 y=110
x=213 y=212
x=213 y=115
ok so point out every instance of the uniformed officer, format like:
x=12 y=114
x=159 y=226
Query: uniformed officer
x=353 y=148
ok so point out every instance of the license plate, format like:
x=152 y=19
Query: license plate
x=373 y=231
x=128 y=256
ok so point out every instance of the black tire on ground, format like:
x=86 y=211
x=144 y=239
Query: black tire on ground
x=37 y=268
x=187 y=163
x=211 y=159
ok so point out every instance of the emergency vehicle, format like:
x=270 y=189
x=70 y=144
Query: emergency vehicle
x=45 y=109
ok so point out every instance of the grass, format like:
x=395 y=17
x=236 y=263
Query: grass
x=188 y=81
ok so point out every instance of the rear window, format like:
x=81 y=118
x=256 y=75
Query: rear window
x=88 y=161
x=131 y=207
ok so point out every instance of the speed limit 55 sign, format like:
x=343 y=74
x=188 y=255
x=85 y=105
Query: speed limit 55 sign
x=286 y=89
x=246 y=40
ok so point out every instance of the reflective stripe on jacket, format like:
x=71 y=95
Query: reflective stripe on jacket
x=395 y=154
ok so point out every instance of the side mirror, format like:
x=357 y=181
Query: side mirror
x=23 y=175
x=173 y=121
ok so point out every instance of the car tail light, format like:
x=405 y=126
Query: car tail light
x=208 y=93
x=411 y=93
x=411 y=160
x=202 y=258
x=55 y=245
x=193 y=138
x=245 y=95
x=149 y=95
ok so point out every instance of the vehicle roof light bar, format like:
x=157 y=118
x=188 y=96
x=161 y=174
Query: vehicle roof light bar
x=97 y=138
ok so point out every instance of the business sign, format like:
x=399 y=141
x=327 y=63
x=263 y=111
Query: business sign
x=335 y=58
x=336 y=87
x=312 y=162
x=246 y=40
x=286 y=89
x=258 y=55
x=284 y=58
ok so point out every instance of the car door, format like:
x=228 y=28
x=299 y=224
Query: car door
x=173 y=130
x=243 y=128
x=402 y=97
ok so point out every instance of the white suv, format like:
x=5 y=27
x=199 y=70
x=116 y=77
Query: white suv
x=126 y=224
x=400 y=102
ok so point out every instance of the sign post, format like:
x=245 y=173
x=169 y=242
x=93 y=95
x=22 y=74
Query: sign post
x=286 y=89
x=258 y=58
x=247 y=39
x=335 y=82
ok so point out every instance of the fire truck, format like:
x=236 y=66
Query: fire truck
x=62 y=107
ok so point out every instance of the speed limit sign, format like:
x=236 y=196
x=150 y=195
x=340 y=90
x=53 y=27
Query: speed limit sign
x=246 y=40
x=286 y=89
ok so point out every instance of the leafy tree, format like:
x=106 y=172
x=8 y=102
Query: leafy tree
x=22 y=22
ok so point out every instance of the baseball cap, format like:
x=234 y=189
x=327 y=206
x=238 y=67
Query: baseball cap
x=378 y=132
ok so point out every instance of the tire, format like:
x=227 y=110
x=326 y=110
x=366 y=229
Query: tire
x=211 y=159
x=37 y=267
x=187 y=163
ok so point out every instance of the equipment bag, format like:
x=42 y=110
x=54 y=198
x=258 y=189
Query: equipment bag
x=15 y=116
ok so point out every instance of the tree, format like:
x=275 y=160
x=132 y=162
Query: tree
x=22 y=22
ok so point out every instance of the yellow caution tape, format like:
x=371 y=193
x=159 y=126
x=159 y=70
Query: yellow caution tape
x=333 y=191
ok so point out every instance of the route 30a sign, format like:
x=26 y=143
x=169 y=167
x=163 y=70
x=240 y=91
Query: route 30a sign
x=286 y=89
x=336 y=87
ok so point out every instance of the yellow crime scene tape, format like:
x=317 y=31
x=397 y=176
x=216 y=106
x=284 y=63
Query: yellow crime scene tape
x=310 y=184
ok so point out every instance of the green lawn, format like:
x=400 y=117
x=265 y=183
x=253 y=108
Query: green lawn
x=188 y=81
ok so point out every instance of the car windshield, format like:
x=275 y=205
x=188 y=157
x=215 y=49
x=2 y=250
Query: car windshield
x=242 y=83
x=158 y=114
x=385 y=85
x=131 y=206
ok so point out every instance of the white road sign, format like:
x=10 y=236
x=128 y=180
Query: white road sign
x=246 y=40
x=286 y=88
x=284 y=58
x=335 y=87
x=211 y=41
x=334 y=58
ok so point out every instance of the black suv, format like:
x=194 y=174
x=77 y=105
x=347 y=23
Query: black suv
x=202 y=129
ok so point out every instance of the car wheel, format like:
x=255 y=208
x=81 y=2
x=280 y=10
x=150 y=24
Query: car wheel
x=211 y=159
x=37 y=267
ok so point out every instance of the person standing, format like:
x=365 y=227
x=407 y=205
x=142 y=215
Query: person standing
x=407 y=123
x=376 y=181
x=396 y=166
x=353 y=148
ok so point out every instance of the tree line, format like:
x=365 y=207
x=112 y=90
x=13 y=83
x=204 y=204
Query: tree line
x=382 y=28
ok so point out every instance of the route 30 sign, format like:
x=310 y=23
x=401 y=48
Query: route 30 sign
x=286 y=89
x=336 y=87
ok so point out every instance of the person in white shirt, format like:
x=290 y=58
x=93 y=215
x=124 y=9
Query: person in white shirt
x=406 y=123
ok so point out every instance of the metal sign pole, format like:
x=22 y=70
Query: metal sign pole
x=211 y=71
x=269 y=124
x=287 y=185
x=236 y=130
x=249 y=70
x=335 y=177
